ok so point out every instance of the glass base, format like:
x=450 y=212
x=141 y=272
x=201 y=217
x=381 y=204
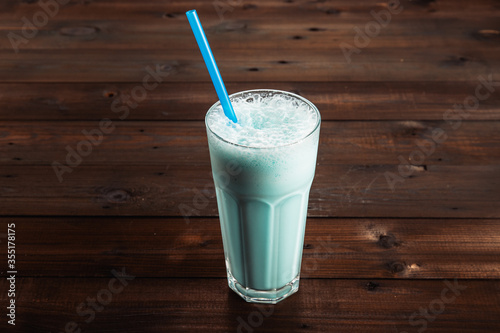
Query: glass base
x=271 y=296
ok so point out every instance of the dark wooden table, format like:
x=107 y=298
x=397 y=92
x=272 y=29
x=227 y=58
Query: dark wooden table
x=105 y=178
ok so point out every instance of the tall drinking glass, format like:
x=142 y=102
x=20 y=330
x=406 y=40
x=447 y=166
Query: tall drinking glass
x=262 y=194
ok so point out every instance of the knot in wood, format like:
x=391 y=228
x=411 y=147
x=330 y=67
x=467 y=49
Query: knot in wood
x=371 y=286
x=396 y=267
x=116 y=196
x=387 y=241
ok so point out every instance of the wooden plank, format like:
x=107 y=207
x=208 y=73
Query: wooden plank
x=424 y=43
x=147 y=30
x=333 y=248
x=152 y=168
x=190 y=101
x=184 y=143
x=265 y=11
x=327 y=64
x=163 y=189
x=189 y=305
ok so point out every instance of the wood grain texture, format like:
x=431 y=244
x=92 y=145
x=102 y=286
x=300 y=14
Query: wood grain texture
x=333 y=248
x=338 y=191
x=187 y=65
x=256 y=29
x=190 y=100
x=151 y=169
x=102 y=42
x=126 y=25
x=184 y=143
x=376 y=258
x=163 y=305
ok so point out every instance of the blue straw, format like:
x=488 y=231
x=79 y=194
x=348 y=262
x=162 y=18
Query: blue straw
x=202 y=41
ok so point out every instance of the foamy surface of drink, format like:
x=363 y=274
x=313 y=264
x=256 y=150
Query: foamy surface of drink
x=265 y=120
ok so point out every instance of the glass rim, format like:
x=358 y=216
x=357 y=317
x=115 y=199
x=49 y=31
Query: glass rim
x=296 y=96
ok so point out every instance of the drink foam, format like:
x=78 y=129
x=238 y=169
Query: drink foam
x=265 y=119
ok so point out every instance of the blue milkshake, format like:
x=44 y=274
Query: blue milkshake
x=263 y=168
